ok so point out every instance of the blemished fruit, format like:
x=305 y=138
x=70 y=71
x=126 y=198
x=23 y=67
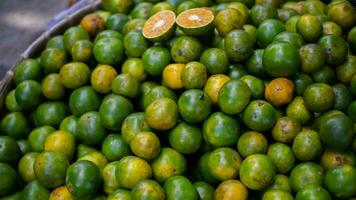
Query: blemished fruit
x=185 y=99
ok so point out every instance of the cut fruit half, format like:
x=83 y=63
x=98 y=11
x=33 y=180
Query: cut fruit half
x=159 y=26
x=196 y=21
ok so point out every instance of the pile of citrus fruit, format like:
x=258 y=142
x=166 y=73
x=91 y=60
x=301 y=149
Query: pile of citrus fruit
x=187 y=100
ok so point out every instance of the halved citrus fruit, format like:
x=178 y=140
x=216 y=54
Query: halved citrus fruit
x=196 y=21
x=159 y=26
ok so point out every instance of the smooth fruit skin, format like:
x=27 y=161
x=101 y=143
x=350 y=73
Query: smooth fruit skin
x=74 y=74
x=346 y=70
x=342 y=97
x=312 y=57
x=84 y=99
x=134 y=66
x=25 y=166
x=281 y=59
x=221 y=130
x=179 y=187
x=336 y=131
x=113 y=111
x=132 y=125
x=310 y=27
x=318 y=97
x=37 y=137
x=162 y=114
x=205 y=190
x=8 y=179
x=261 y=12
x=11 y=103
x=95 y=157
x=228 y=20
x=238 y=45
x=291 y=37
x=72 y=35
x=28 y=94
x=51 y=113
x=342 y=13
x=256 y=85
x=61 y=193
x=13 y=196
x=281 y=182
x=52 y=87
x=351 y=110
x=131 y=170
x=304 y=174
x=171 y=76
x=194 y=105
x=335 y=48
x=108 y=33
x=213 y=85
x=257 y=171
x=168 y=163
x=28 y=69
x=148 y=190
x=351 y=39
x=109 y=51
x=279 y=91
x=315 y=192
x=252 y=142
x=259 y=115
x=234 y=97
x=154 y=93
x=297 y=110
x=236 y=71
x=224 y=163
x=277 y=195
x=285 y=129
x=215 y=60
x=56 y=42
x=340 y=181
x=120 y=194
x=82 y=50
x=301 y=81
x=231 y=189
x=145 y=145
x=83 y=179
x=15 y=125
x=185 y=138
x=307 y=145
x=62 y=142
x=114 y=147
x=126 y=85
x=52 y=60
x=203 y=169
x=110 y=183
x=50 y=169
x=70 y=124
x=135 y=44
x=155 y=59
x=254 y=64
x=101 y=78
x=186 y=49
x=267 y=30
x=90 y=128
x=34 y=190
x=282 y=157
x=335 y=158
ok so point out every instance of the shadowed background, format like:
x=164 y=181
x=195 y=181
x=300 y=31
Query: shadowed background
x=21 y=22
